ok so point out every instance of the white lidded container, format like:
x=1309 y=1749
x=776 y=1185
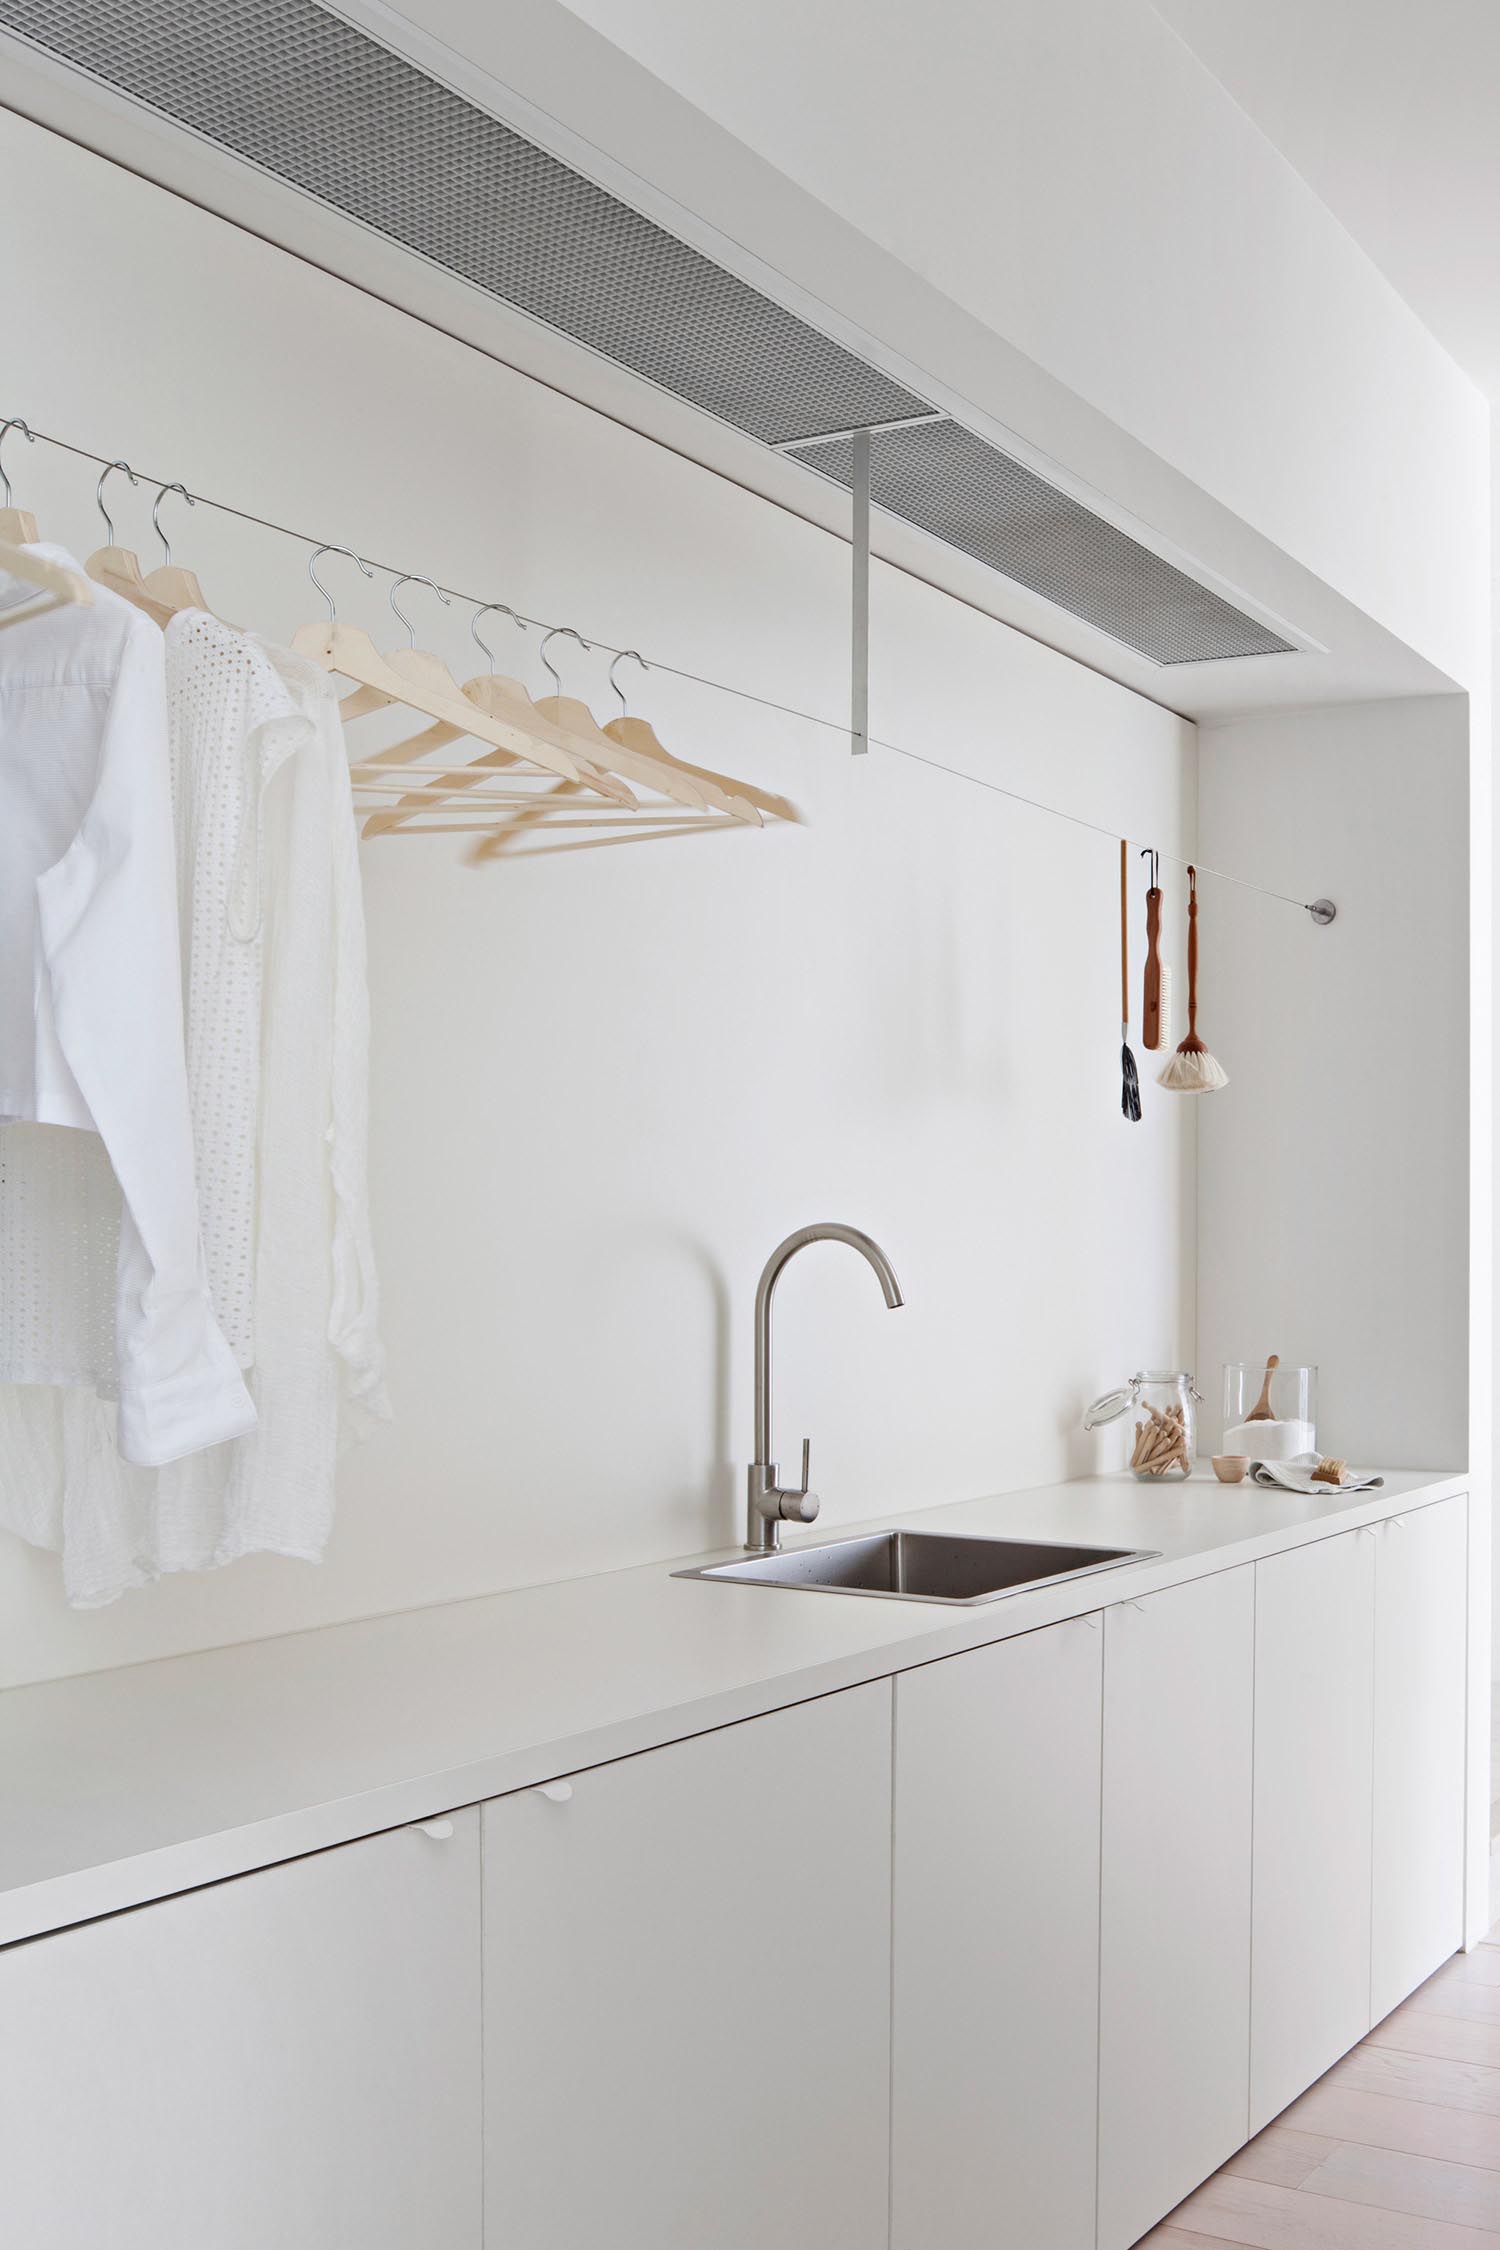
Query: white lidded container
x=1270 y=1409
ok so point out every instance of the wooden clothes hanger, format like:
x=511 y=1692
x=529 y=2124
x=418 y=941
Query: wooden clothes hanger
x=169 y=584
x=18 y=531
x=411 y=678
x=603 y=760
x=554 y=739
x=17 y=525
x=559 y=722
x=724 y=802
x=633 y=762
x=640 y=735
x=119 y=568
x=506 y=701
x=503 y=696
x=511 y=819
x=65 y=587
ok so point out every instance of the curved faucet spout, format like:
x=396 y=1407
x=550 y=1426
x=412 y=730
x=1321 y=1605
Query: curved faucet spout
x=770 y=1503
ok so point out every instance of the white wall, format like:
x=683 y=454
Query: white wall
x=1333 y=1184
x=1071 y=174
x=604 y=1086
x=1488 y=801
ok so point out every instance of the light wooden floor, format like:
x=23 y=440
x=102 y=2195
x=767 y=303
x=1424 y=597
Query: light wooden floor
x=1398 y=2148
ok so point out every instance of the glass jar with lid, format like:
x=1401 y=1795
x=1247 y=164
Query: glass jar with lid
x=1162 y=1437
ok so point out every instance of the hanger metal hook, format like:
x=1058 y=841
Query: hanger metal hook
x=312 y=571
x=166 y=547
x=15 y=423
x=636 y=658
x=108 y=471
x=475 y=635
x=410 y=578
x=1148 y=851
x=566 y=632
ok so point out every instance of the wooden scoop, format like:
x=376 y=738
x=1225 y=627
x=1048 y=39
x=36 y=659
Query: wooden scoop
x=1261 y=1410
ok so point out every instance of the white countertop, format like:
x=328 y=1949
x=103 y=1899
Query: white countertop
x=118 y=1787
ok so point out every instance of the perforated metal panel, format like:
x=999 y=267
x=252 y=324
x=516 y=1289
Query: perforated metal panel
x=316 y=102
x=311 y=99
x=967 y=493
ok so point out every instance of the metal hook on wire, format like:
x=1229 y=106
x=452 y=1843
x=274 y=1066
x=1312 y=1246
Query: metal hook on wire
x=312 y=571
x=567 y=632
x=15 y=423
x=636 y=658
x=410 y=578
x=1148 y=851
x=107 y=471
x=166 y=548
x=475 y=635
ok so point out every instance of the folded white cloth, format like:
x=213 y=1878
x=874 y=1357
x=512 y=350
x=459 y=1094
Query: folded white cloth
x=1297 y=1476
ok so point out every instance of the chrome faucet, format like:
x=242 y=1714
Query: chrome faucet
x=773 y=1504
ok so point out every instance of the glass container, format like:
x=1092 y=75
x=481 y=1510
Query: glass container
x=1162 y=1436
x=1270 y=1409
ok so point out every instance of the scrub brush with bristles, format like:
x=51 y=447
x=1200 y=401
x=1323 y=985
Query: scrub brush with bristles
x=1193 y=1070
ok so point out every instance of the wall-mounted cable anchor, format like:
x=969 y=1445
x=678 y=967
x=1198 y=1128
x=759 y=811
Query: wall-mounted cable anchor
x=1323 y=911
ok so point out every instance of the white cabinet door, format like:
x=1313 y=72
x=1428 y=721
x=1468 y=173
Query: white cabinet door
x=1421 y=1577
x=288 y=2059
x=687 y=1993
x=1174 y=2002
x=996 y=1986
x=1310 y=1977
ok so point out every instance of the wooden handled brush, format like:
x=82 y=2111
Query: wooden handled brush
x=1151 y=1026
x=1192 y=1070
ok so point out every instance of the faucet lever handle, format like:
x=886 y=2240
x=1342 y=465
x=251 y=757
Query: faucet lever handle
x=800 y=1505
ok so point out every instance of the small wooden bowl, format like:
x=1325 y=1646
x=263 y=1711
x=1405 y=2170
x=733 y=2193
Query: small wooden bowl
x=1230 y=1468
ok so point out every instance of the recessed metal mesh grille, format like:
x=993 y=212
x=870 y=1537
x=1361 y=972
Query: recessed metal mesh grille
x=311 y=99
x=314 y=101
x=967 y=493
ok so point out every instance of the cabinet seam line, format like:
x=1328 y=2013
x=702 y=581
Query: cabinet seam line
x=1250 y=1948
x=890 y=2028
x=484 y=2107
x=1466 y=1816
x=1374 y=1726
x=1099 y=1943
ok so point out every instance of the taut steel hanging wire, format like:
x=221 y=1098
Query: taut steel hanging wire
x=1321 y=910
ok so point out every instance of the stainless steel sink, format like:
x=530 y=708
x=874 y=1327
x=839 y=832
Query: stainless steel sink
x=921 y=1566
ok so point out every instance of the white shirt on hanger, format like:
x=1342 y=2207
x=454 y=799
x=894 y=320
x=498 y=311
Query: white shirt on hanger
x=91 y=1037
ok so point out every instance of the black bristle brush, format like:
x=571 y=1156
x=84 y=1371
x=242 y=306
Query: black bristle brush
x=1130 y=1087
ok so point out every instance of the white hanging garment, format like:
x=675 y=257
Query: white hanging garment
x=232 y=725
x=278 y=1036
x=96 y=1152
